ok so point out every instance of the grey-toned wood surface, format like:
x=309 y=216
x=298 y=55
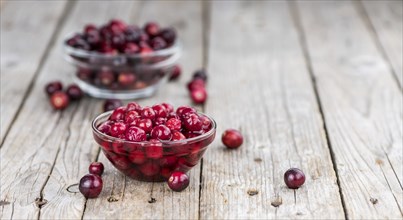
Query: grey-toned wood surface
x=311 y=84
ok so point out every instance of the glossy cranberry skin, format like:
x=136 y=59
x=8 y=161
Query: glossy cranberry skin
x=200 y=74
x=133 y=106
x=169 y=108
x=118 y=114
x=294 y=178
x=146 y=124
x=134 y=133
x=184 y=110
x=131 y=116
x=117 y=26
x=154 y=150
x=53 y=87
x=160 y=121
x=133 y=34
x=112 y=104
x=118 y=128
x=96 y=168
x=131 y=48
x=196 y=84
x=152 y=28
x=206 y=123
x=199 y=95
x=232 y=138
x=161 y=132
x=178 y=181
x=126 y=79
x=148 y=112
x=176 y=72
x=74 y=92
x=158 y=43
x=90 y=28
x=160 y=111
x=59 y=100
x=90 y=185
x=168 y=34
x=174 y=124
x=177 y=136
x=192 y=122
x=106 y=77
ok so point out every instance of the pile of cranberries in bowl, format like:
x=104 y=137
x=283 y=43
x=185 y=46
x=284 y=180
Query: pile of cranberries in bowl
x=151 y=143
x=117 y=60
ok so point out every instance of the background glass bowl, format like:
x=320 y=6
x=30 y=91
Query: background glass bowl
x=122 y=76
x=140 y=161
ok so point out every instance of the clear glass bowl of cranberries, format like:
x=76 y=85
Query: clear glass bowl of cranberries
x=122 y=61
x=150 y=143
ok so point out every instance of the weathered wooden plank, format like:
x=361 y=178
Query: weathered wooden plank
x=386 y=18
x=260 y=85
x=26 y=30
x=45 y=150
x=362 y=106
x=132 y=196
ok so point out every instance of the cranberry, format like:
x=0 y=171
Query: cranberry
x=140 y=85
x=131 y=116
x=168 y=34
x=154 y=150
x=121 y=162
x=192 y=122
x=161 y=132
x=184 y=110
x=84 y=74
x=148 y=112
x=158 y=43
x=174 y=124
x=118 y=114
x=232 y=138
x=206 y=123
x=118 y=128
x=150 y=168
x=90 y=185
x=160 y=121
x=107 y=49
x=145 y=123
x=145 y=50
x=112 y=104
x=90 y=28
x=200 y=74
x=59 y=100
x=105 y=127
x=93 y=39
x=176 y=72
x=196 y=84
x=152 y=28
x=137 y=157
x=126 y=79
x=178 y=181
x=192 y=134
x=53 y=87
x=133 y=34
x=74 y=92
x=137 y=134
x=173 y=115
x=118 y=41
x=294 y=178
x=160 y=111
x=96 y=168
x=133 y=106
x=177 y=136
x=131 y=48
x=168 y=107
x=168 y=161
x=199 y=95
x=118 y=146
x=106 y=77
x=117 y=26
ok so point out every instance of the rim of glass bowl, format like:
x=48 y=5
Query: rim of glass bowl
x=146 y=143
x=84 y=53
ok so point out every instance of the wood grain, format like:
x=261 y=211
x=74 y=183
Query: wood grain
x=362 y=105
x=261 y=86
x=27 y=28
x=386 y=18
x=127 y=198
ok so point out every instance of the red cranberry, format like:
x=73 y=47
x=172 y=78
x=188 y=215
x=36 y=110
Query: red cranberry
x=117 y=26
x=131 y=48
x=90 y=185
x=161 y=132
x=93 y=39
x=168 y=34
x=131 y=116
x=150 y=168
x=85 y=74
x=160 y=111
x=118 y=41
x=200 y=74
x=192 y=134
x=160 y=121
x=137 y=157
x=133 y=106
x=145 y=123
x=106 y=77
x=177 y=136
x=118 y=146
x=118 y=114
x=184 y=110
x=59 y=100
x=126 y=79
x=134 y=133
x=53 y=87
x=206 y=123
x=118 y=128
x=140 y=85
x=174 y=124
x=133 y=34
x=294 y=178
x=192 y=122
x=232 y=138
x=152 y=28
x=196 y=84
x=112 y=104
x=158 y=43
x=74 y=92
x=145 y=50
x=90 y=28
x=154 y=150
x=148 y=112
x=96 y=168
x=199 y=95
x=105 y=127
x=176 y=72
x=168 y=161
x=168 y=107
x=121 y=162
x=178 y=181
x=173 y=115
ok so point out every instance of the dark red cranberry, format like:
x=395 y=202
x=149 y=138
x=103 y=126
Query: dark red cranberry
x=206 y=123
x=168 y=161
x=158 y=43
x=196 y=84
x=133 y=34
x=118 y=114
x=200 y=74
x=184 y=110
x=118 y=146
x=118 y=128
x=173 y=115
x=96 y=168
x=133 y=106
x=107 y=49
x=160 y=121
x=150 y=168
x=90 y=28
x=152 y=29
x=192 y=122
x=232 y=138
x=144 y=37
x=294 y=178
x=90 y=185
x=176 y=72
x=53 y=87
x=121 y=162
x=118 y=41
x=112 y=104
x=160 y=111
x=93 y=39
x=144 y=123
x=131 y=48
x=174 y=124
x=199 y=96
x=106 y=77
x=105 y=127
x=117 y=26
x=145 y=50
x=168 y=34
x=192 y=134
x=59 y=100
x=148 y=112
x=137 y=134
x=161 y=132
x=168 y=107
x=106 y=32
x=85 y=74
x=177 y=136
x=154 y=149
x=131 y=116
x=74 y=92
x=137 y=157
x=178 y=181
x=126 y=79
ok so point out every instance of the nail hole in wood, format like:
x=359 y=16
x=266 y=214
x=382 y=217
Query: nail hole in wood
x=373 y=200
x=258 y=160
x=152 y=200
x=253 y=192
x=277 y=202
x=4 y=202
x=39 y=202
x=112 y=199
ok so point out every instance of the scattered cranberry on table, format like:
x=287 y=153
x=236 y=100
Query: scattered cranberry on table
x=59 y=100
x=197 y=87
x=53 y=87
x=176 y=72
x=294 y=178
x=178 y=181
x=96 y=168
x=112 y=104
x=74 y=92
x=232 y=138
x=90 y=185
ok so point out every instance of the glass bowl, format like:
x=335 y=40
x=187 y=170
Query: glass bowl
x=122 y=76
x=148 y=161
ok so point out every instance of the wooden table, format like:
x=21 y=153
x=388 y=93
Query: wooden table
x=314 y=84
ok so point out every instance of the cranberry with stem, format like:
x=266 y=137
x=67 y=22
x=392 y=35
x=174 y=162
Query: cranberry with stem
x=294 y=178
x=178 y=181
x=90 y=185
x=96 y=168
